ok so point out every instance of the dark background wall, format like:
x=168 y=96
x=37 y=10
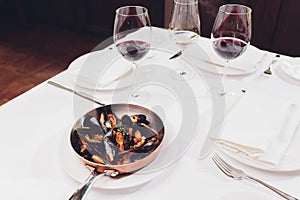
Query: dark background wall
x=276 y=25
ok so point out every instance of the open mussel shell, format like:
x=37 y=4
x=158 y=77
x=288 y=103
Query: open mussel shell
x=119 y=137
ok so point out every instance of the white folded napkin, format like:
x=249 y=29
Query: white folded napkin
x=290 y=66
x=99 y=69
x=248 y=62
x=259 y=127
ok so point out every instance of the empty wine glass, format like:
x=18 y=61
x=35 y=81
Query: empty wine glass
x=231 y=32
x=132 y=34
x=184 y=27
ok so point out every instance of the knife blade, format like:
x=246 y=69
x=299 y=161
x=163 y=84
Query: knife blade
x=176 y=55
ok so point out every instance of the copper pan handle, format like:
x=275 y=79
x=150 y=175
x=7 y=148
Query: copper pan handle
x=82 y=191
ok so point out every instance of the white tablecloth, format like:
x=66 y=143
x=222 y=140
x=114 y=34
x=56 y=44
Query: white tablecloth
x=36 y=123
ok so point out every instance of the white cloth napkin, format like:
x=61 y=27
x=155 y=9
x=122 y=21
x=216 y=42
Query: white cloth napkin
x=290 y=66
x=248 y=62
x=99 y=69
x=259 y=127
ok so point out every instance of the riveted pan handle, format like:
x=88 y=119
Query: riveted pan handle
x=82 y=191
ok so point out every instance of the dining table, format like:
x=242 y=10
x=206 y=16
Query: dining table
x=39 y=163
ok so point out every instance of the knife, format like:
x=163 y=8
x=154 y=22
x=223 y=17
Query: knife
x=176 y=55
x=81 y=94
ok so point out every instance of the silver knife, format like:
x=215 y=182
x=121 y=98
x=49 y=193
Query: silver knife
x=176 y=55
x=81 y=94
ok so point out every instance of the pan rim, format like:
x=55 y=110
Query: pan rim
x=115 y=167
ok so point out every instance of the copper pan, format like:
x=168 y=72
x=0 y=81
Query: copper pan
x=114 y=170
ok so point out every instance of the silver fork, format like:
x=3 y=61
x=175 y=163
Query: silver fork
x=275 y=59
x=239 y=175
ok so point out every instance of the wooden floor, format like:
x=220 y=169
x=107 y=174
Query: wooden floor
x=33 y=53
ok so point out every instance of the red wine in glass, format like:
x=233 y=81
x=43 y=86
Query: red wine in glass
x=132 y=38
x=231 y=33
x=229 y=48
x=133 y=50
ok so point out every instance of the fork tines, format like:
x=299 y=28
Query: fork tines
x=223 y=166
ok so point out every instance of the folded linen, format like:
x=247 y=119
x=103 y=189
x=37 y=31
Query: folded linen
x=291 y=67
x=248 y=62
x=99 y=69
x=259 y=127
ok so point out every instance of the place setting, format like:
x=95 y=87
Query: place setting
x=133 y=63
x=228 y=54
x=128 y=134
x=213 y=54
x=256 y=137
x=256 y=134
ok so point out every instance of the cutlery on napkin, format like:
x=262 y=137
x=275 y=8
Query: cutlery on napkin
x=249 y=62
x=259 y=127
x=100 y=70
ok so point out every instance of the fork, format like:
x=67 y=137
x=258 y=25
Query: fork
x=239 y=175
x=275 y=59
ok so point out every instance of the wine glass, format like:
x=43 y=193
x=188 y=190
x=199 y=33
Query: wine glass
x=184 y=27
x=131 y=35
x=231 y=32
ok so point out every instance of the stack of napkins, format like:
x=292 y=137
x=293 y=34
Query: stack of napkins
x=259 y=127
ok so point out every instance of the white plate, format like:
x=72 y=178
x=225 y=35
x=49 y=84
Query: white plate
x=290 y=162
x=174 y=146
x=74 y=168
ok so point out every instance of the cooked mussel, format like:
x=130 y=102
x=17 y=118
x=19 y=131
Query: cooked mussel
x=126 y=121
x=107 y=120
x=90 y=149
x=139 y=119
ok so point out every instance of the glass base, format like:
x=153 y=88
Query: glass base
x=139 y=97
x=182 y=75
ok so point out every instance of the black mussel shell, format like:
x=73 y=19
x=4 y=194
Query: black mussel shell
x=88 y=149
x=90 y=121
x=126 y=121
x=139 y=118
x=145 y=131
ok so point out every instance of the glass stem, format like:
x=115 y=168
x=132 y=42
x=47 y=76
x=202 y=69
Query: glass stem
x=226 y=69
x=225 y=74
x=133 y=93
x=182 y=68
x=224 y=77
